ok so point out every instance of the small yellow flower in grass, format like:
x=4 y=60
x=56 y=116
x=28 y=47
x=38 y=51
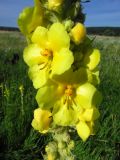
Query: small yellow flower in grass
x=42 y=120
x=21 y=88
x=6 y=92
x=49 y=53
x=53 y=4
x=30 y=18
x=78 y=33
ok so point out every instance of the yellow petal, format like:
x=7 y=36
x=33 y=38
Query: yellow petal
x=62 y=61
x=65 y=116
x=93 y=77
x=50 y=157
x=78 y=76
x=40 y=114
x=30 y=18
x=42 y=120
x=32 y=55
x=58 y=37
x=88 y=96
x=96 y=79
x=91 y=114
x=83 y=130
x=92 y=59
x=35 y=125
x=46 y=96
x=92 y=125
x=38 y=76
x=37 y=17
x=78 y=33
x=24 y=20
x=40 y=37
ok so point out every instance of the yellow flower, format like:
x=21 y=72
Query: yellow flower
x=30 y=18
x=51 y=157
x=49 y=53
x=6 y=92
x=68 y=99
x=78 y=33
x=42 y=120
x=74 y=102
x=86 y=122
x=21 y=88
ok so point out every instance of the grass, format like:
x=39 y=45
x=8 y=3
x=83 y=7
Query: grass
x=19 y=140
x=106 y=144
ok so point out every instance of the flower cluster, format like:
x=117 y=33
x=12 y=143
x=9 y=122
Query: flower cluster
x=63 y=67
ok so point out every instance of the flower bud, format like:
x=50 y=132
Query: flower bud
x=42 y=120
x=71 y=145
x=62 y=145
x=30 y=18
x=68 y=24
x=51 y=157
x=78 y=33
x=53 y=4
x=92 y=59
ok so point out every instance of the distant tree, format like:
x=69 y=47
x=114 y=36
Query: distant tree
x=84 y=1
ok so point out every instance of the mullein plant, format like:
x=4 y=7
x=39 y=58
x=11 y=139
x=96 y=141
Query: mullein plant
x=63 y=66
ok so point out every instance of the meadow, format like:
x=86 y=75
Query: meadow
x=17 y=138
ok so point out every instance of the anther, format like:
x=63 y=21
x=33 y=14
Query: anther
x=69 y=90
x=47 y=53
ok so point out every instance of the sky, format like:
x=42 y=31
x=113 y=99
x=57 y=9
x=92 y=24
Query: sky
x=98 y=12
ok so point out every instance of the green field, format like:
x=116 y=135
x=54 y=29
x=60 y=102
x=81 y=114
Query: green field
x=17 y=138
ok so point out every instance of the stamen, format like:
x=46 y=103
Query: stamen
x=43 y=65
x=69 y=90
x=47 y=53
